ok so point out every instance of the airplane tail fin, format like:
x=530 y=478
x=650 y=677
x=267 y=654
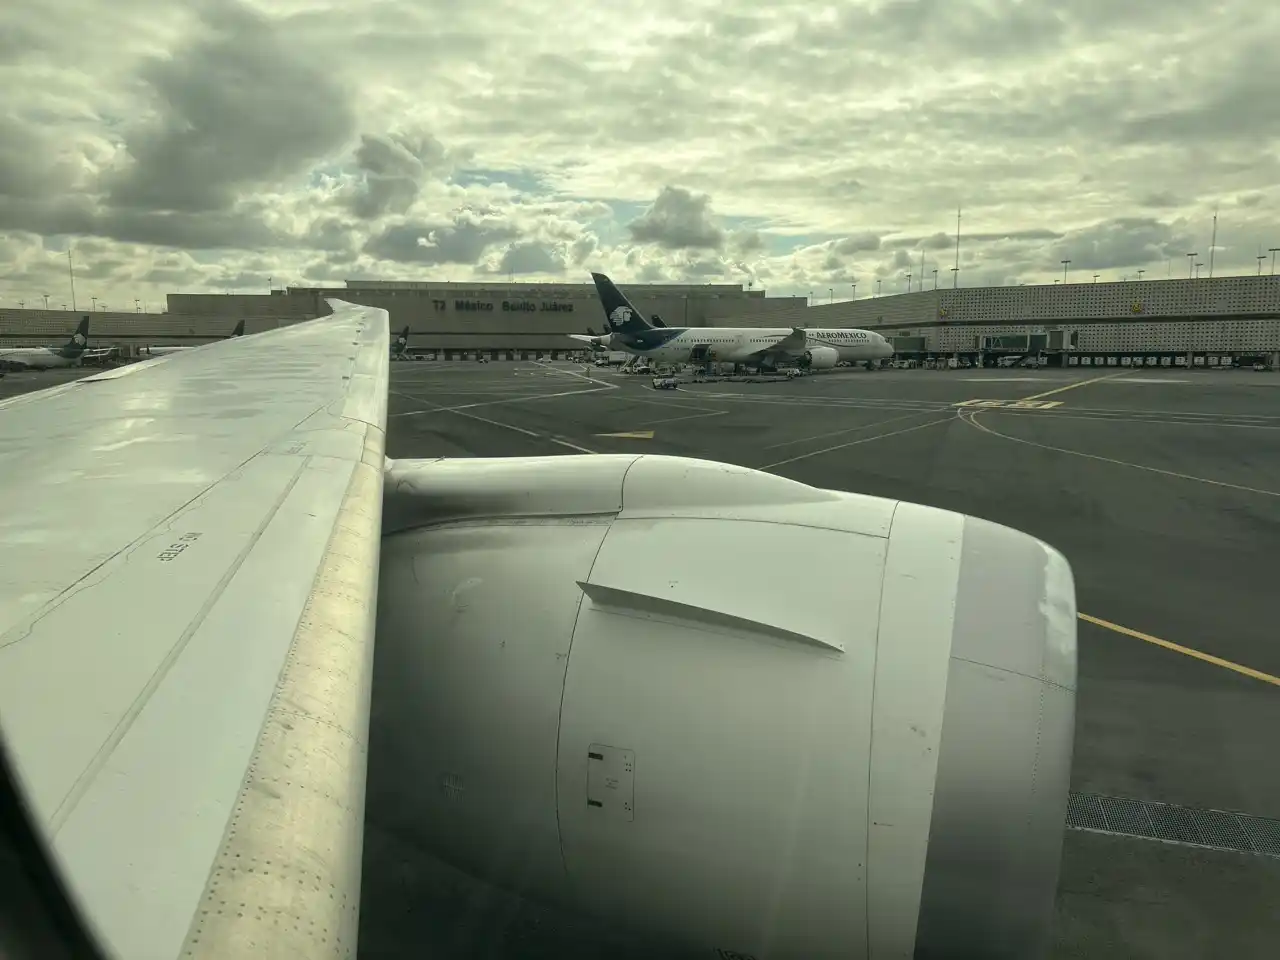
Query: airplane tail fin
x=239 y=330
x=79 y=340
x=623 y=317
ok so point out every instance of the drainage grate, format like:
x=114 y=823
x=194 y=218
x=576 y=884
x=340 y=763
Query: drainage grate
x=1170 y=822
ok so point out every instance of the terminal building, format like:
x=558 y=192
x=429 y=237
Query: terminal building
x=1154 y=322
x=1200 y=321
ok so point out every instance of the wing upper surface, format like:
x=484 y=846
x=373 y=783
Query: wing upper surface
x=186 y=616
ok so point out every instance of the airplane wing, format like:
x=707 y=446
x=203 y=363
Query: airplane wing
x=185 y=669
x=793 y=344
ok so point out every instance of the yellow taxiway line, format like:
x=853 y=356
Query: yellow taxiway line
x=1179 y=648
x=1073 y=386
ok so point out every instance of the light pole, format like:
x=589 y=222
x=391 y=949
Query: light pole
x=955 y=277
x=1191 y=262
x=46 y=297
x=811 y=298
x=831 y=294
x=908 y=283
x=95 y=304
x=935 y=278
x=1198 y=266
x=880 y=284
x=1261 y=257
x=1272 y=251
x=1140 y=273
x=854 y=285
x=1096 y=276
x=1065 y=264
x=71 y=273
x=137 y=305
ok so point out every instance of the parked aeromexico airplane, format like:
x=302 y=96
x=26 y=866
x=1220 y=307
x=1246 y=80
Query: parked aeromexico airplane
x=758 y=346
x=165 y=351
x=45 y=358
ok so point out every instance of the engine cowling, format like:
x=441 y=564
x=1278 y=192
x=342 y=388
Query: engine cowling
x=736 y=711
x=821 y=358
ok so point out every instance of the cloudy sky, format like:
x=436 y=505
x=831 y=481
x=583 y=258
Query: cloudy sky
x=223 y=145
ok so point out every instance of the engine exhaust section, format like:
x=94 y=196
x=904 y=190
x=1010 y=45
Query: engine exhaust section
x=724 y=708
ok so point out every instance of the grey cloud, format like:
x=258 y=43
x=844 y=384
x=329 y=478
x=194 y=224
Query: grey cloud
x=1236 y=102
x=230 y=229
x=583 y=248
x=394 y=167
x=243 y=280
x=1123 y=242
x=530 y=257
x=237 y=107
x=678 y=219
x=331 y=234
x=988 y=236
x=175 y=270
x=99 y=268
x=25 y=169
x=999 y=28
x=857 y=243
x=1159 y=199
x=746 y=242
x=704 y=267
x=77 y=216
x=463 y=241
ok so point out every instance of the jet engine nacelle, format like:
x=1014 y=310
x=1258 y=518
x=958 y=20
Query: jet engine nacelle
x=821 y=358
x=729 y=709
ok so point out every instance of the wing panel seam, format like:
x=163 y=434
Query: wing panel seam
x=76 y=793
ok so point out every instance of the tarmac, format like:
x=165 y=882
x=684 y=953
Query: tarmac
x=1161 y=487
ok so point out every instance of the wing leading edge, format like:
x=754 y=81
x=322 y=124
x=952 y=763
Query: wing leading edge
x=184 y=674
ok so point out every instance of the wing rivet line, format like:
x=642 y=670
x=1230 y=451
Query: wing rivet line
x=293 y=845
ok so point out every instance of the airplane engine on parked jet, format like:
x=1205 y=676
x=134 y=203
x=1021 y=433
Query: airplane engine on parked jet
x=821 y=358
x=731 y=710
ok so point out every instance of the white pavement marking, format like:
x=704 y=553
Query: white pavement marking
x=1155 y=418
x=571 y=446
x=1145 y=380
x=690 y=416
x=524 y=398
x=508 y=426
x=836 y=433
x=854 y=443
x=971 y=419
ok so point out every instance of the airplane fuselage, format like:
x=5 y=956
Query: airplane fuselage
x=36 y=358
x=743 y=344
